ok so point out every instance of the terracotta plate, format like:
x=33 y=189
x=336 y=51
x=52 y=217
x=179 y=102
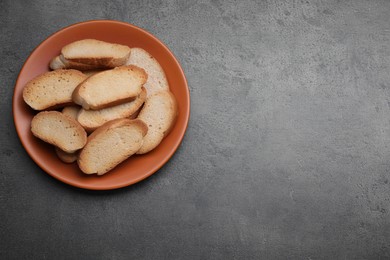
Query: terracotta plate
x=135 y=168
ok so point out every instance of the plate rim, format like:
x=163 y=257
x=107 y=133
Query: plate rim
x=157 y=166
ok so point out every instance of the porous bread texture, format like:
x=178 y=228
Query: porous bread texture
x=59 y=130
x=71 y=111
x=159 y=114
x=111 y=144
x=99 y=54
x=157 y=80
x=59 y=62
x=92 y=119
x=90 y=73
x=110 y=87
x=52 y=89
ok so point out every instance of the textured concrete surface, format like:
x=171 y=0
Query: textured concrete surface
x=287 y=155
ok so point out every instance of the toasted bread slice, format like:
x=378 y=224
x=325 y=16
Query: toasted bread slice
x=66 y=157
x=90 y=73
x=59 y=62
x=92 y=119
x=71 y=111
x=159 y=114
x=60 y=130
x=56 y=63
x=52 y=89
x=110 y=87
x=100 y=54
x=111 y=144
x=157 y=81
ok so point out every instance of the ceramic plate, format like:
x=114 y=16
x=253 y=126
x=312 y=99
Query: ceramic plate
x=135 y=168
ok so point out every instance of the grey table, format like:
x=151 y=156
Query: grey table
x=287 y=154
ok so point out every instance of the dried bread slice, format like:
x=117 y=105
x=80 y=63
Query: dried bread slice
x=157 y=81
x=90 y=73
x=110 y=87
x=92 y=119
x=111 y=144
x=59 y=130
x=52 y=89
x=66 y=157
x=59 y=62
x=159 y=114
x=97 y=53
x=71 y=111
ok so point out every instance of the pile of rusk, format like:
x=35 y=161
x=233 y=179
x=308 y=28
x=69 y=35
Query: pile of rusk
x=121 y=99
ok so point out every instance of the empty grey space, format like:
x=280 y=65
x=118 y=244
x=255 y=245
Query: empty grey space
x=287 y=152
